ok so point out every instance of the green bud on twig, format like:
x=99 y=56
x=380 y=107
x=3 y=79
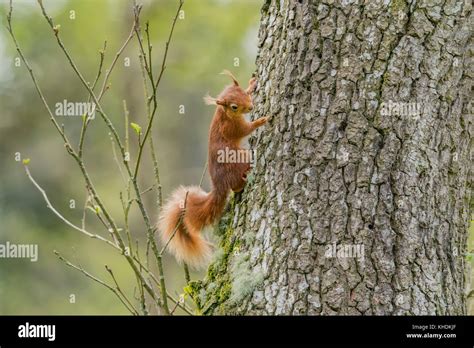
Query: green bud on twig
x=136 y=127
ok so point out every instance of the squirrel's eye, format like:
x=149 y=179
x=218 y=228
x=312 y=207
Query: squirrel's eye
x=234 y=107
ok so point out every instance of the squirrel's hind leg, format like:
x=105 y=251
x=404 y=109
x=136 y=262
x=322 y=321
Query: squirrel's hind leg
x=240 y=179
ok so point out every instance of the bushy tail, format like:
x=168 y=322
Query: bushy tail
x=202 y=209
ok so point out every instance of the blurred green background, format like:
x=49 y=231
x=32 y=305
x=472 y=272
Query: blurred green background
x=213 y=35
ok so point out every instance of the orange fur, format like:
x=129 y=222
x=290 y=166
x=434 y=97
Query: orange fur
x=187 y=244
x=202 y=209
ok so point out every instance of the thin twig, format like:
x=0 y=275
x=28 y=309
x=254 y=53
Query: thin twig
x=180 y=221
x=58 y=214
x=150 y=233
x=148 y=189
x=87 y=274
x=81 y=78
x=126 y=115
x=83 y=220
x=187 y=277
x=174 y=308
x=163 y=62
x=30 y=70
x=117 y=56
x=163 y=65
x=203 y=174
x=117 y=162
x=157 y=282
x=94 y=236
x=156 y=170
x=117 y=287
x=142 y=291
x=87 y=119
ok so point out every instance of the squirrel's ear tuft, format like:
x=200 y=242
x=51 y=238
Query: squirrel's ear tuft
x=228 y=73
x=213 y=101
x=209 y=100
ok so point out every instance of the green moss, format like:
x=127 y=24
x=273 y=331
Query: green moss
x=212 y=271
x=225 y=292
x=216 y=288
x=224 y=279
x=193 y=290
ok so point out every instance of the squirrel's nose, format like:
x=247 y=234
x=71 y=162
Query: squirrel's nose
x=250 y=107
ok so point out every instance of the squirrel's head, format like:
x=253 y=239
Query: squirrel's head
x=233 y=98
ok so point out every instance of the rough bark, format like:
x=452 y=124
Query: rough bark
x=332 y=168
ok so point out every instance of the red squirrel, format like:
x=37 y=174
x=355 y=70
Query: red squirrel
x=199 y=209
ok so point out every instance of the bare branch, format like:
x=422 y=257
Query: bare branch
x=66 y=221
x=203 y=174
x=165 y=55
x=119 y=143
x=163 y=65
x=156 y=170
x=180 y=221
x=187 y=277
x=117 y=162
x=117 y=56
x=86 y=118
x=119 y=290
x=81 y=78
x=97 y=280
x=142 y=143
x=33 y=77
x=108 y=221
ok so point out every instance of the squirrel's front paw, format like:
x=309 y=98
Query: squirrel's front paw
x=261 y=121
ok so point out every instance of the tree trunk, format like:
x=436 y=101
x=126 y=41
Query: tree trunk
x=367 y=154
